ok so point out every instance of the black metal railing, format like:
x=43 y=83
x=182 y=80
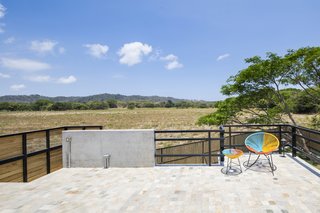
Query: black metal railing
x=208 y=139
x=300 y=139
x=16 y=148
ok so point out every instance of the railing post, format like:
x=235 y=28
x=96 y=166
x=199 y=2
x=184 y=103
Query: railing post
x=294 y=141
x=221 y=143
x=209 y=148
x=230 y=137
x=24 y=160
x=280 y=140
x=48 y=151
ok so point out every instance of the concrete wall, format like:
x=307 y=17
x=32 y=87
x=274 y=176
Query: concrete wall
x=128 y=148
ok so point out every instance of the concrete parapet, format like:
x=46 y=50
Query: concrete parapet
x=128 y=148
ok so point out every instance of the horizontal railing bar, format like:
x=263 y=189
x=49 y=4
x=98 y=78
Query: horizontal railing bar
x=43 y=130
x=310 y=139
x=43 y=151
x=36 y=153
x=253 y=131
x=55 y=147
x=184 y=144
x=168 y=161
x=308 y=130
x=185 y=155
x=186 y=139
x=9 y=160
x=283 y=132
x=307 y=154
x=235 y=145
x=251 y=125
x=186 y=131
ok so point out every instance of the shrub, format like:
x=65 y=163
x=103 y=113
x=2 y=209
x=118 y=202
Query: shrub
x=131 y=106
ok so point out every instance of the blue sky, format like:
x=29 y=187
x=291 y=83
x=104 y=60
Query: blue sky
x=184 y=49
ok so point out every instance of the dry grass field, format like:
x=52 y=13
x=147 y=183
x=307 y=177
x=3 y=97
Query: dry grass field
x=159 y=118
x=143 y=118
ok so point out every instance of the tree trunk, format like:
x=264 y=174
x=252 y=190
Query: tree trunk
x=287 y=111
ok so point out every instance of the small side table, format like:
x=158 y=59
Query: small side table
x=236 y=168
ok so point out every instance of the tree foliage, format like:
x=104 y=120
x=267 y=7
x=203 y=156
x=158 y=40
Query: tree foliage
x=47 y=105
x=258 y=93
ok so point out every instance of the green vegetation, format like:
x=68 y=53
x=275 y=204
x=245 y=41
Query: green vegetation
x=47 y=105
x=257 y=93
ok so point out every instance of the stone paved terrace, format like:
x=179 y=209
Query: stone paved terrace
x=167 y=189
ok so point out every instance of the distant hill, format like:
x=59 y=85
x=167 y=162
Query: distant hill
x=99 y=97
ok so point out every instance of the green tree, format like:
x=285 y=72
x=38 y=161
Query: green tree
x=183 y=104
x=304 y=66
x=4 y=106
x=304 y=103
x=41 y=105
x=169 y=104
x=112 y=103
x=79 y=106
x=256 y=90
x=61 y=106
x=97 y=105
x=131 y=105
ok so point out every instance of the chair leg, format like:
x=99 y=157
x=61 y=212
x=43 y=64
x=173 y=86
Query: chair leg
x=270 y=163
x=249 y=158
x=228 y=165
x=240 y=164
x=252 y=163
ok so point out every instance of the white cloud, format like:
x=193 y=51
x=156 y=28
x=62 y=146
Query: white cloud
x=2 y=75
x=170 y=57
x=9 y=40
x=2 y=11
x=67 y=80
x=97 y=50
x=173 y=62
x=40 y=78
x=17 y=87
x=132 y=53
x=24 y=64
x=2 y=14
x=173 y=65
x=62 y=50
x=43 y=47
x=156 y=54
x=224 y=56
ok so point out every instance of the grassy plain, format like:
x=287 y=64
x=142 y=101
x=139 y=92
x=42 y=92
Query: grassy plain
x=139 y=118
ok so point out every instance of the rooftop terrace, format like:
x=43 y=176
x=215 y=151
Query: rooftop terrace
x=293 y=188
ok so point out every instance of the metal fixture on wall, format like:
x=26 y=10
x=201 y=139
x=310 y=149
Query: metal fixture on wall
x=68 y=140
x=106 y=161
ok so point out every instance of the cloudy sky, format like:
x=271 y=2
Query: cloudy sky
x=184 y=49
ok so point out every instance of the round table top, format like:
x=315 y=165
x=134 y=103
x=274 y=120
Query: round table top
x=232 y=153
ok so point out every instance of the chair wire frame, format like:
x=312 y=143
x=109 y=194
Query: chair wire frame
x=268 y=154
x=229 y=167
x=268 y=157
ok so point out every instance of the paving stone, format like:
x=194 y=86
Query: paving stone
x=167 y=189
